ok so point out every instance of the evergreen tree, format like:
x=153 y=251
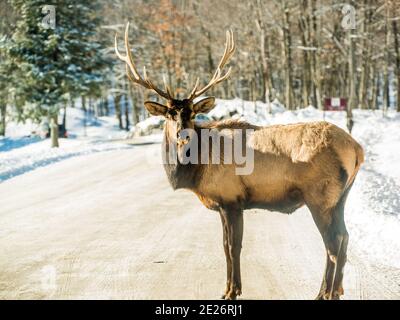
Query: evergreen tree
x=6 y=68
x=4 y=85
x=55 y=61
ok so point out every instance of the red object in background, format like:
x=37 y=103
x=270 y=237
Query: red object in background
x=335 y=104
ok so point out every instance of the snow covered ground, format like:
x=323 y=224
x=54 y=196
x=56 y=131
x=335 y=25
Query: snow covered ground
x=20 y=152
x=373 y=207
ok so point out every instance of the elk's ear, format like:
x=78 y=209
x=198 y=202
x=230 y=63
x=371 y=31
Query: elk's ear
x=204 y=105
x=155 y=109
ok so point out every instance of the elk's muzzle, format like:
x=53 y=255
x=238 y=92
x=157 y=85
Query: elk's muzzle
x=182 y=138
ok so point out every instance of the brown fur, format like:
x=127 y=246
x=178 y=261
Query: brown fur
x=304 y=157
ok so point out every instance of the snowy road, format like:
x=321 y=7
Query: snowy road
x=108 y=226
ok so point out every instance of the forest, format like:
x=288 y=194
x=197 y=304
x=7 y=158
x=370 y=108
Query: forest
x=295 y=52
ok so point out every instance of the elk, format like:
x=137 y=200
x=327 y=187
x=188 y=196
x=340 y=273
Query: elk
x=312 y=164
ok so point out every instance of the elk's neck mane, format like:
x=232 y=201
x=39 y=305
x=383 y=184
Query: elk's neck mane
x=179 y=175
x=182 y=176
x=188 y=176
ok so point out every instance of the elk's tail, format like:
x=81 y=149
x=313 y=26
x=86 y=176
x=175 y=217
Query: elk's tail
x=359 y=159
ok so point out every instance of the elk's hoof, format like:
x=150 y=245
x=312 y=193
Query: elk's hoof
x=320 y=296
x=232 y=294
x=326 y=296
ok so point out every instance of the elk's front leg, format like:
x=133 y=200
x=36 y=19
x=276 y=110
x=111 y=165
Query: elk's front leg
x=234 y=223
x=227 y=255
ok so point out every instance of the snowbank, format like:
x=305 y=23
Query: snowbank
x=146 y=126
x=254 y=112
x=37 y=153
x=21 y=152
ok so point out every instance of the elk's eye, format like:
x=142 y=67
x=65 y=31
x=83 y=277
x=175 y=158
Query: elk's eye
x=172 y=113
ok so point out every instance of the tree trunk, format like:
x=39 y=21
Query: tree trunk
x=91 y=105
x=106 y=106
x=397 y=50
x=117 y=105
x=305 y=32
x=209 y=52
x=264 y=52
x=287 y=44
x=3 y=111
x=54 y=130
x=376 y=91
x=83 y=102
x=126 y=105
x=352 y=76
x=365 y=52
x=386 y=102
x=372 y=86
x=97 y=109
x=352 y=72
x=64 y=122
x=265 y=72
x=135 y=111
x=315 y=65
x=127 y=122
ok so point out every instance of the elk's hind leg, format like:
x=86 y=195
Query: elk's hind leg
x=334 y=234
x=327 y=278
x=337 y=289
x=335 y=239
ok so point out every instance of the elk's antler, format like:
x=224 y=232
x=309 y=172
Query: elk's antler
x=217 y=77
x=132 y=72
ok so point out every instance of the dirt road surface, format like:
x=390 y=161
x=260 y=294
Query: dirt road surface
x=108 y=226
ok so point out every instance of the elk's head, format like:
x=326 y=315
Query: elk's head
x=180 y=114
